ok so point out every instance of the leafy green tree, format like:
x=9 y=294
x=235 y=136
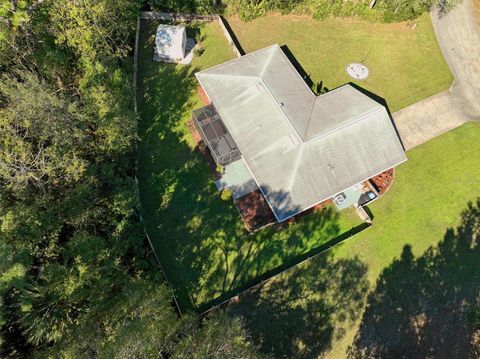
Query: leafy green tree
x=219 y=337
x=197 y=6
x=41 y=140
x=16 y=13
x=76 y=279
x=108 y=96
x=95 y=28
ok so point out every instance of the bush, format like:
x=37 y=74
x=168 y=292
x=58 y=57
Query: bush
x=475 y=317
x=226 y=194
x=196 y=6
x=384 y=10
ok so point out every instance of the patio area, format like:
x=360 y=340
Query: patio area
x=238 y=179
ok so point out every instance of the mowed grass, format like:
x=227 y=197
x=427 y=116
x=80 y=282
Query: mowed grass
x=205 y=250
x=317 y=307
x=405 y=63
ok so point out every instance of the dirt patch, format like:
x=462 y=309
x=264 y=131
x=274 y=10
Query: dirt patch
x=476 y=10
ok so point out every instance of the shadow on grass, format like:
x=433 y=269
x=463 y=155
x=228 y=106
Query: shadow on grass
x=421 y=306
x=284 y=267
x=301 y=312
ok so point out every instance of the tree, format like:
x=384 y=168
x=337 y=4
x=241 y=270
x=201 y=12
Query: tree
x=42 y=135
x=219 y=337
x=139 y=322
x=76 y=279
x=95 y=29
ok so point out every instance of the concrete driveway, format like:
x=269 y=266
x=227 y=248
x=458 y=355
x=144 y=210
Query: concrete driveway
x=459 y=38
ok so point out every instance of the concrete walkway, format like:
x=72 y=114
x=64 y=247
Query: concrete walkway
x=459 y=39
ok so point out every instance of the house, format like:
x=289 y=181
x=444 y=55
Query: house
x=170 y=43
x=272 y=133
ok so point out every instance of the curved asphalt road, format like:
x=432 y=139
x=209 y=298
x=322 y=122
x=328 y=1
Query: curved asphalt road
x=459 y=39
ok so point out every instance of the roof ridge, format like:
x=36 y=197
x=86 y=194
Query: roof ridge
x=296 y=71
x=284 y=115
x=349 y=123
x=309 y=120
x=236 y=59
x=295 y=167
x=230 y=75
x=267 y=63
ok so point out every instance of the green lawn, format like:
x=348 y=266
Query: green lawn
x=201 y=241
x=415 y=293
x=405 y=64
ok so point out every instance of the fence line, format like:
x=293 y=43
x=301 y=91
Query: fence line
x=230 y=36
x=171 y=16
x=135 y=108
x=328 y=246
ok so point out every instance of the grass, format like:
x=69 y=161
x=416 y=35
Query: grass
x=201 y=241
x=405 y=64
x=415 y=290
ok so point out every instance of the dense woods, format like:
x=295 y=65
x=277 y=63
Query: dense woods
x=76 y=279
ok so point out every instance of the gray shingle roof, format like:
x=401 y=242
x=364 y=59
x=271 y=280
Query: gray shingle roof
x=301 y=149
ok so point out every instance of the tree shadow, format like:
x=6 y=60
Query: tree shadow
x=301 y=312
x=420 y=307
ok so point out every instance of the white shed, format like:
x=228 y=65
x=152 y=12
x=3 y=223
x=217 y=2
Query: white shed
x=170 y=42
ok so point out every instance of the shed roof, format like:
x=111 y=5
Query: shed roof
x=169 y=41
x=300 y=148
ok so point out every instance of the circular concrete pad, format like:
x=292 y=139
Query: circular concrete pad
x=357 y=71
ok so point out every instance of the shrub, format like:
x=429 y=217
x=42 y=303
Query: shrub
x=196 y=6
x=384 y=10
x=226 y=194
x=198 y=50
x=475 y=317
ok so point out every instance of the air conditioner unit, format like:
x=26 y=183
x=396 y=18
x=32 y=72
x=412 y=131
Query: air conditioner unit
x=339 y=198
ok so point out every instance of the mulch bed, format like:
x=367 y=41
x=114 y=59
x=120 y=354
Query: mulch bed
x=314 y=209
x=203 y=95
x=254 y=210
x=383 y=181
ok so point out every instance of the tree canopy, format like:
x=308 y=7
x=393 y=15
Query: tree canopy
x=77 y=280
